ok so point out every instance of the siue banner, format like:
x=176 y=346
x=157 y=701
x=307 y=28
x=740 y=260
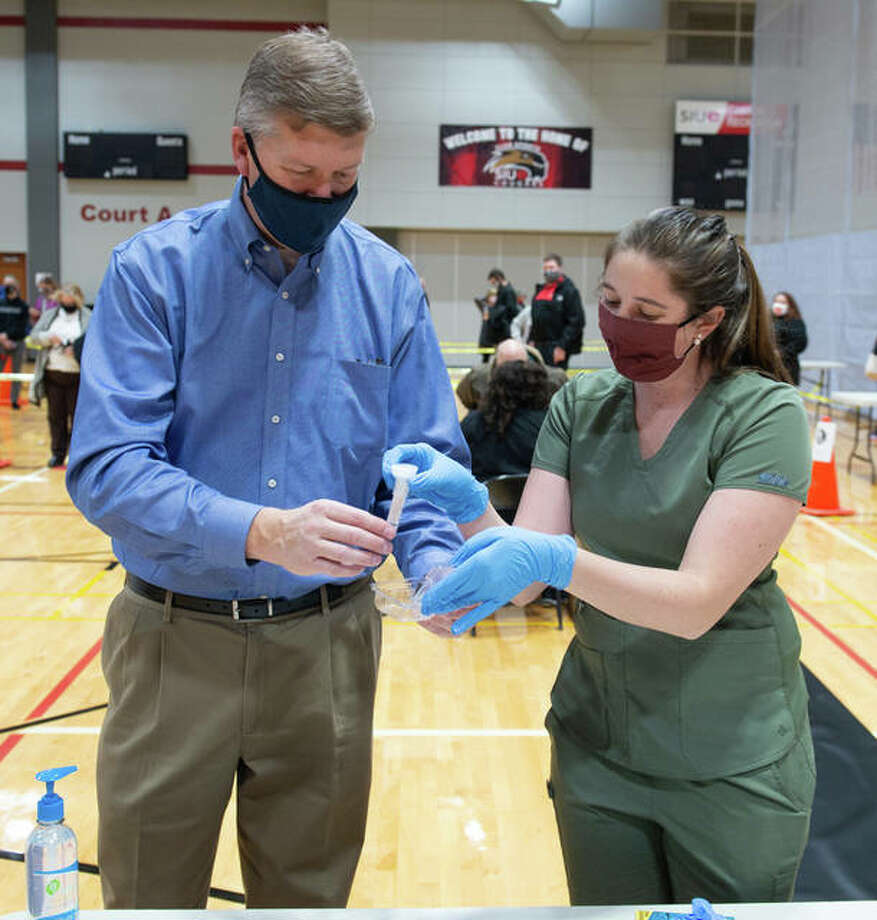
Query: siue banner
x=503 y=156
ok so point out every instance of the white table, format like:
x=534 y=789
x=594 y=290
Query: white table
x=825 y=366
x=860 y=400
x=803 y=910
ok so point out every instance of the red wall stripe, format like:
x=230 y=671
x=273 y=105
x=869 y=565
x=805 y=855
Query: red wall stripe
x=196 y=169
x=52 y=696
x=141 y=22
x=212 y=169
x=144 y=22
x=833 y=638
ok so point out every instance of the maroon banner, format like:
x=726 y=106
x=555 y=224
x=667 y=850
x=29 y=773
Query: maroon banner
x=503 y=156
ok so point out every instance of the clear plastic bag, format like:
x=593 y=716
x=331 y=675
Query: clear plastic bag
x=400 y=599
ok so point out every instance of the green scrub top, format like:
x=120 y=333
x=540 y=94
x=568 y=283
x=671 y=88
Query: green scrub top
x=734 y=699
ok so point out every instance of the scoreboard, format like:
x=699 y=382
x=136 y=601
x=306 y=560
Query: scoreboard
x=711 y=155
x=105 y=155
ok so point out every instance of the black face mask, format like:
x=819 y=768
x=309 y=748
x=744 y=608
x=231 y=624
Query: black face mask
x=551 y=277
x=298 y=221
x=69 y=307
x=11 y=293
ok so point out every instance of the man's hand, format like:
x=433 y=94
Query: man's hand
x=559 y=354
x=323 y=537
x=55 y=340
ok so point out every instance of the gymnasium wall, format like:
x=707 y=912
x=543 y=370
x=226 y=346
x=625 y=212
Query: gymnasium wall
x=426 y=63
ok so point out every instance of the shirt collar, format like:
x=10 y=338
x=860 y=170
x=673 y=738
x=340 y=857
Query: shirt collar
x=247 y=235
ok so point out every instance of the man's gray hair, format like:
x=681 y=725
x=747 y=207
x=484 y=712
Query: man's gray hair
x=302 y=77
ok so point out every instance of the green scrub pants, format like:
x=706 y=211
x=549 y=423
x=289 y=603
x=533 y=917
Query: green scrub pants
x=630 y=838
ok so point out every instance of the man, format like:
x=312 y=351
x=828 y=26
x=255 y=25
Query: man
x=14 y=314
x=498 y=310
x=248 y=364
x=472 y=389
x=556 y=314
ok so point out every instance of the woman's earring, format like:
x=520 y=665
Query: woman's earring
x=697 y=339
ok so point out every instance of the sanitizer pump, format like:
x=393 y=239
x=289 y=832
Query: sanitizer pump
x=50 y=860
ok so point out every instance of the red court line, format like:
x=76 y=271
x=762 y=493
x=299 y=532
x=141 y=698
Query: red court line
x=833 y=638
x=13 y=164
x=11 y=20
x=152 y=22
x=52 y=697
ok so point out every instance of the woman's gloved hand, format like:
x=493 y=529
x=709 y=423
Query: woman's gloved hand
x=495 y=565
x=440 y=480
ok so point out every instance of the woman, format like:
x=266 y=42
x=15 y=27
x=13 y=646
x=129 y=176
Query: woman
x=790 y=331
x=682 y=763
x=59 y=333
x=502 y=435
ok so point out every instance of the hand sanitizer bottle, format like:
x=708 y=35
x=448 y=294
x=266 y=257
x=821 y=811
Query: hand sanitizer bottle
x=51 y=864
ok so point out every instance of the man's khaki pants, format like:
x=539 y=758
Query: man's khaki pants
x=284 y=705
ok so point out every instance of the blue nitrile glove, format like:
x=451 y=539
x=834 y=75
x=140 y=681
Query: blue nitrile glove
x=701 y=909
x=495 y=565
x=441 y=481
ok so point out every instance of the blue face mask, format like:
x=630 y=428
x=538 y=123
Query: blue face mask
x=298 y=221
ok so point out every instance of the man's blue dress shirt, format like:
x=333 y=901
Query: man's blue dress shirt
x=214 y=383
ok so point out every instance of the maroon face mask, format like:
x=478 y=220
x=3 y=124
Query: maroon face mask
x=641 y=350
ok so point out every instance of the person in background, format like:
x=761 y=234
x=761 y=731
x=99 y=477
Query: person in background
x=59 y=332
x=682 y=761
x=14 y=315
x=247 y=507
x=505 y=308
x=502 y=435
x=790 y=331
x=45 y=291
x=557 y=317
x=486 y=305
x=472 y=388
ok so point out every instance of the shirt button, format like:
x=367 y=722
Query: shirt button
x=285 y=295
x=279 y=356
x=247 y=262
x=266 y=248
x=272 y=483
x=317 y=269
x=275 y=419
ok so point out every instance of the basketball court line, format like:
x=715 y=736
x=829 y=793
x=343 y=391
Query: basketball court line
x=52 y=697
x=838 y=532
x=378 y=732
x=23 y=480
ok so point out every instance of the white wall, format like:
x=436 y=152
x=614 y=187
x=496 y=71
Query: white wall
x=426 y=62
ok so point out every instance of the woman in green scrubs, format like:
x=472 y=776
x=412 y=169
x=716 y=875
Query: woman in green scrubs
x=682 y=763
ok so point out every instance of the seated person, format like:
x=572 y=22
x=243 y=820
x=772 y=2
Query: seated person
x=472 y=389
x=502 y=435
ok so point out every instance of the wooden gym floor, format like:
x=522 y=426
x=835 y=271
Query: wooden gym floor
x=459 y=814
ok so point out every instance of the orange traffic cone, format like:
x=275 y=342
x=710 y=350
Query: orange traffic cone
x=822 y=498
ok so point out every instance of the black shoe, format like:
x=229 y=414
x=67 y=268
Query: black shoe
x=15 y=405
x=55 y=461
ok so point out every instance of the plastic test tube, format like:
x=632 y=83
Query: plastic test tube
x=403 y=473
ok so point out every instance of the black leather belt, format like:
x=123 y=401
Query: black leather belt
x=256 y=608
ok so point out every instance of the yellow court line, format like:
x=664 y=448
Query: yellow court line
x=56 y=614
x=865 y=534
x=45 y=618
x=827 y=581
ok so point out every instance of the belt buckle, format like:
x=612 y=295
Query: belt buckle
x=270 y=602
x=235 y=610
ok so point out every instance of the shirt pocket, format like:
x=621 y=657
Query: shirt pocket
x=356 y=415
